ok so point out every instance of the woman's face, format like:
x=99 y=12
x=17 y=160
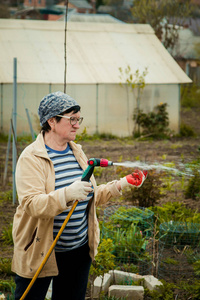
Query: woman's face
x=64 y=130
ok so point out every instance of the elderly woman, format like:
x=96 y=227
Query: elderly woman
x=48 y=181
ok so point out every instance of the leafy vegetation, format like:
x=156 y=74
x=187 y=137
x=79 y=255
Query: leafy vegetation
x=190 y=96
x=193 y=187
x=149 y=194
x=175 y=211
x=155 y=123
x=162 y=16
x=7 y=235
x=186 y=130
x=135 y=82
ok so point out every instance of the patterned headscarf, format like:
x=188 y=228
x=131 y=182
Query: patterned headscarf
x=54 y=104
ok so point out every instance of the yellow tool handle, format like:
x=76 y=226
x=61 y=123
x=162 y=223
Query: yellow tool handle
x=50 y=251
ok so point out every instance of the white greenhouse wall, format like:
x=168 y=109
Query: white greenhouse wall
x=104 y=106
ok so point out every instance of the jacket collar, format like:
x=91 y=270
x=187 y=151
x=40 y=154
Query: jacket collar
x=39 y=149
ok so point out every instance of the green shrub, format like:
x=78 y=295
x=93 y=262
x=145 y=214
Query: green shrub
x=148 y=194
x=165 y=292
x=174 y=211
x=186 y=131
x=192 y=290
x=7 y=285
x=129 y=244
x=4 y=196
x=104 y=260
x=3 y=137
x=5 y=266
x=125 y=216
x=190 y=96
x=154 y=123
x=193 y=188
x=196 y=267
x=7 y=235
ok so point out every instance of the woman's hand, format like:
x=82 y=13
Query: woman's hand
x=78 y=190
x=134 y=179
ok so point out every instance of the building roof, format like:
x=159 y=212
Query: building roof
x=81 y=4
x=94 y=52
x=186 y=46
x=97 y=18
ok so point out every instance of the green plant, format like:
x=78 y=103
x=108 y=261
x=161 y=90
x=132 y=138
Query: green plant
x=190 y=96
x=165 y=292
x=174 y=211
x=129 y=245
x=3 y=137
x=192 y=255
x=7 y=285
x=4 y=196
x=104 y=260
x=128 y=267
x=155 y=123
x=12 y=295
x=168 y=184
x=193 y=188
x=7 y=235
x=149 y=193
x=179 y=234
x=169 y=260
x=111 y=298
x=5 y=266
x=136 y=82
x=98 y=172
x=186 y=130
x=124 y=217
x=196 y=266
x=192 y=290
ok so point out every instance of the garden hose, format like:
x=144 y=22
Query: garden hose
x=50 y=251
x=85 y=177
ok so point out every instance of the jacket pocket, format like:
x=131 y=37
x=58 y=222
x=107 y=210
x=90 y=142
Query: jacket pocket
x=31 y=241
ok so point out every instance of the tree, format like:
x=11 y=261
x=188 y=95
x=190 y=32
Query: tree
x=135 y=81
x=119 y=10
x=165 y=16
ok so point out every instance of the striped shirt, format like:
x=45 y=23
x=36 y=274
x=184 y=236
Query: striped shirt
x=67 y=170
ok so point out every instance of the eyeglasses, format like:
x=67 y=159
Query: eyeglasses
x=73 y=120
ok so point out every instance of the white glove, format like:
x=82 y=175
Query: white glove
x=78 y=190
x=135 y=179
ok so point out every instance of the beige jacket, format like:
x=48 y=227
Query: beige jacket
x=39 y=203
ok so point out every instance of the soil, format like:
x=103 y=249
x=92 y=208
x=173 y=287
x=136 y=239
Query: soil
x=176 y=150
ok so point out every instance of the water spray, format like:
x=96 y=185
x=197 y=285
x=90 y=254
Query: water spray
x=97 y=162
x=144 y=166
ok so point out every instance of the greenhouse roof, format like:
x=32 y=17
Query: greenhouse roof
x=95 y=52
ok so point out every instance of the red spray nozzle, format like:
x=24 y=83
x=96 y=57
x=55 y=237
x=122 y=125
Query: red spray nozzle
x=105 y=162
x=97 y=162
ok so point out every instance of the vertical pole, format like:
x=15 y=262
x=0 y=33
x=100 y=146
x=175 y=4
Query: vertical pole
x=14 y=119
x=179 y=107
x=7 y=156
x=30 y=124
x=65 y=46
x=97 y=108
x=1 y=106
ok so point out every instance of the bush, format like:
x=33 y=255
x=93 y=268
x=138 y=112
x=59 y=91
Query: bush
x=175 y=211
x=190 y=96
x=193 y=188
x=154 y=123
x=148 y=194
x=5 y=266
x=7 y=235
x=186 y=131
